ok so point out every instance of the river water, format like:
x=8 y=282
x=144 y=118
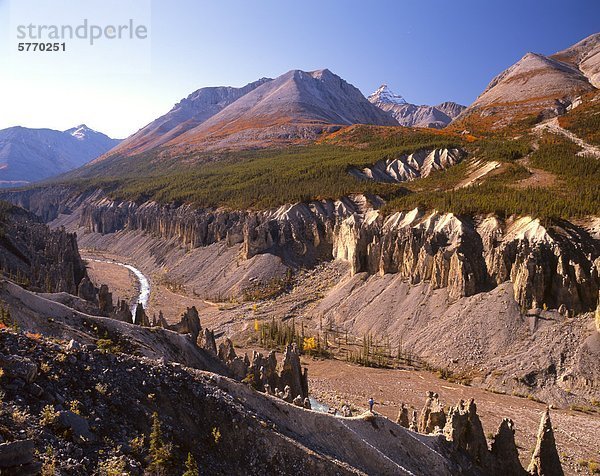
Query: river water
x=144 y=284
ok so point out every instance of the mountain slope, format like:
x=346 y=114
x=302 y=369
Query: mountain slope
x=536 y=85
x=28 y=155
x=411 y=115
x=296 y=105
x=585 y=55
x=185 y=115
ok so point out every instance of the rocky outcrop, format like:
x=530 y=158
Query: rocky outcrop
x=122 y=313
x=105 y=300
x=37 y=257
x=288 y=381
x=141 y=319
x=189 y=324
x=402 y=419
x=463 y=428
x=545 y=460
x=409 y=167
x=504 y=450
x=432 y=416
x=208 y=342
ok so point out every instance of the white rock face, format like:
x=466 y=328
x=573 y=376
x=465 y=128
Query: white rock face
x=410 y=167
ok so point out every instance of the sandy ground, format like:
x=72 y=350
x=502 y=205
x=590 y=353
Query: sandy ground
x=336 y=382
x=122 y=282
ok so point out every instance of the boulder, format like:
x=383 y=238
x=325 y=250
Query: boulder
x=15 y=366
x=76 y=423
x=17 y=458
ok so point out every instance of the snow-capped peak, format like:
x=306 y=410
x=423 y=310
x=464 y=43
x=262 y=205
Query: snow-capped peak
x=80 y=132
x=384 y=95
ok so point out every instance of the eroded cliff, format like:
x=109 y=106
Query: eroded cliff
x=553 y=265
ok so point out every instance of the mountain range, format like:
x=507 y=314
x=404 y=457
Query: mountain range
x=301 y=107
x=28 y=155
x=411 y=115
x=295 y=106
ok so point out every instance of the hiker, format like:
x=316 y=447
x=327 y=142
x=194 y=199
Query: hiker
x=371 y=403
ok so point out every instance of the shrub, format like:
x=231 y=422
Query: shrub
x=49 y=416
x=114 y=466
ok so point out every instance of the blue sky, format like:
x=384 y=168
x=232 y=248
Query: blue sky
x=429 y=51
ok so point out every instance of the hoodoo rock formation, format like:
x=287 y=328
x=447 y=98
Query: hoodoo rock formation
x=548 y=265
x=545 y=460
x=419 y=164
x=462 y=427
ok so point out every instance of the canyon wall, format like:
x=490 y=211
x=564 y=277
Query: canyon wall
x=37 y=257
x=555 y=265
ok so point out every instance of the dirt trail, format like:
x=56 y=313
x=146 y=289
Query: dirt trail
x=554 y=127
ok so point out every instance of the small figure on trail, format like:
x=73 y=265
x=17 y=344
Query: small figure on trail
x=371 y=403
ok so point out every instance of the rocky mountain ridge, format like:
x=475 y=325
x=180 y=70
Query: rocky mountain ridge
x=185 y=115
x=28 y=155
x=296 y=106
x=412 y=115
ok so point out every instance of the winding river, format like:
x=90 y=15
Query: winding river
x=144 y=284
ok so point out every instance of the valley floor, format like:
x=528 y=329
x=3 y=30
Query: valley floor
x=335 y=382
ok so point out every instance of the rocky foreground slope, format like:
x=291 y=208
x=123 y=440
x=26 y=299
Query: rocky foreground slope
x=79 y=409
